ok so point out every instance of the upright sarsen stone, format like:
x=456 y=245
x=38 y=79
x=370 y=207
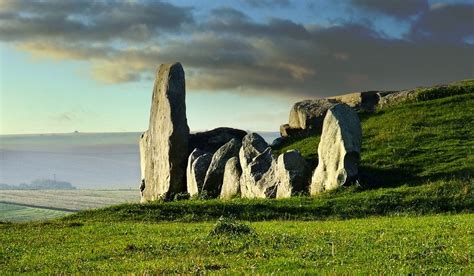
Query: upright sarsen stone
x=215 y=173
x=258 y=179
x=166 y=146
x=231 y=183
x=338 y=150
x=292 y=173
x=198 y=163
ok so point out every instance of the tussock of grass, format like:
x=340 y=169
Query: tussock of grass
x=229 y=226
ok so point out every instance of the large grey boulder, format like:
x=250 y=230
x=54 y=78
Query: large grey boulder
x=165 y=149
x=292 y=174
x=198 y=163
x=231 y=182
x=338 y=150
x=287 y=131
x=363 y=101
x=212 y=140
x=309 y=114
x=215 y=172
x=396 y=97
x=252 y=146
x=258 y=178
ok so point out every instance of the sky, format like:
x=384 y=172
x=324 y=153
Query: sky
x=90 y=65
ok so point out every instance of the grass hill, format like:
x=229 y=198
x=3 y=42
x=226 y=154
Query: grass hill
x=411 y=213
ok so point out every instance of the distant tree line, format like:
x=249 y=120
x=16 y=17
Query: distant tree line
x=40 y=184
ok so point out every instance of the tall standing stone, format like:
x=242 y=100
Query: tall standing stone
x=166 y=147
x=338 y=150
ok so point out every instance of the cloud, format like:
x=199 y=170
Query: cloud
x=445 y=22
x=229 y=51
x=267 y=3
x=232 y=21
x=395 y=8
x=89 y=20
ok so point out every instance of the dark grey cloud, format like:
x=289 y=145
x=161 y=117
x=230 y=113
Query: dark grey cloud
x=445 y=22
x=230 y=51
x=397 y=8
x=234 y=22
x=267 y=3
x=89 y=20
x=331 y=61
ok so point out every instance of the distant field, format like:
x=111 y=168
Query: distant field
x=18 y=213
x=64 y=200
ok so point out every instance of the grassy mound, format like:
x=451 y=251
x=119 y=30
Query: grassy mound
x=417 y=142
x=417 y=157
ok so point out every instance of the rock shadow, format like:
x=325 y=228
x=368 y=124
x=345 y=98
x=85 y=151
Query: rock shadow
x=372 y=177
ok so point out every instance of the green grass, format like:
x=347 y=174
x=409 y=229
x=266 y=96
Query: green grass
x=454 y=196
x=388 y=245
x=413 y=143
x=13 y=212
x=411 y=213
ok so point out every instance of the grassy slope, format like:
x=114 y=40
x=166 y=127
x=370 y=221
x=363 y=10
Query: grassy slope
x=393 y=245
x=429 y=138
x=417 y=159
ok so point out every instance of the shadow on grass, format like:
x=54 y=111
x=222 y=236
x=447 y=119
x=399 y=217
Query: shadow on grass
x=373 y=178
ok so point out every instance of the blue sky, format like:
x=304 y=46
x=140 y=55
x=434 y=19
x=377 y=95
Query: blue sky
x=89 y=66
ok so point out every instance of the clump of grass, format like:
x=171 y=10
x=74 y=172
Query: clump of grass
x=181 y=196
x=228 y=226
x=437 y=92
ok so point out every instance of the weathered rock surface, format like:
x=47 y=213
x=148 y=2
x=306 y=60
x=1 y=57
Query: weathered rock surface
x=198 y=163
x=287 y=131
x=338 y=150
x=309 y=114
x=215 y=172
x=252 y=145
x=390 y=98
x=278 y=142
x=292 y=174
x=165 y=150
x=231 y=183
x=258 y=178
x=212 y=140
x=363 y=101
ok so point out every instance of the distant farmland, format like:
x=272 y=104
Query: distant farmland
x=19 y=213
x=26 y=205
